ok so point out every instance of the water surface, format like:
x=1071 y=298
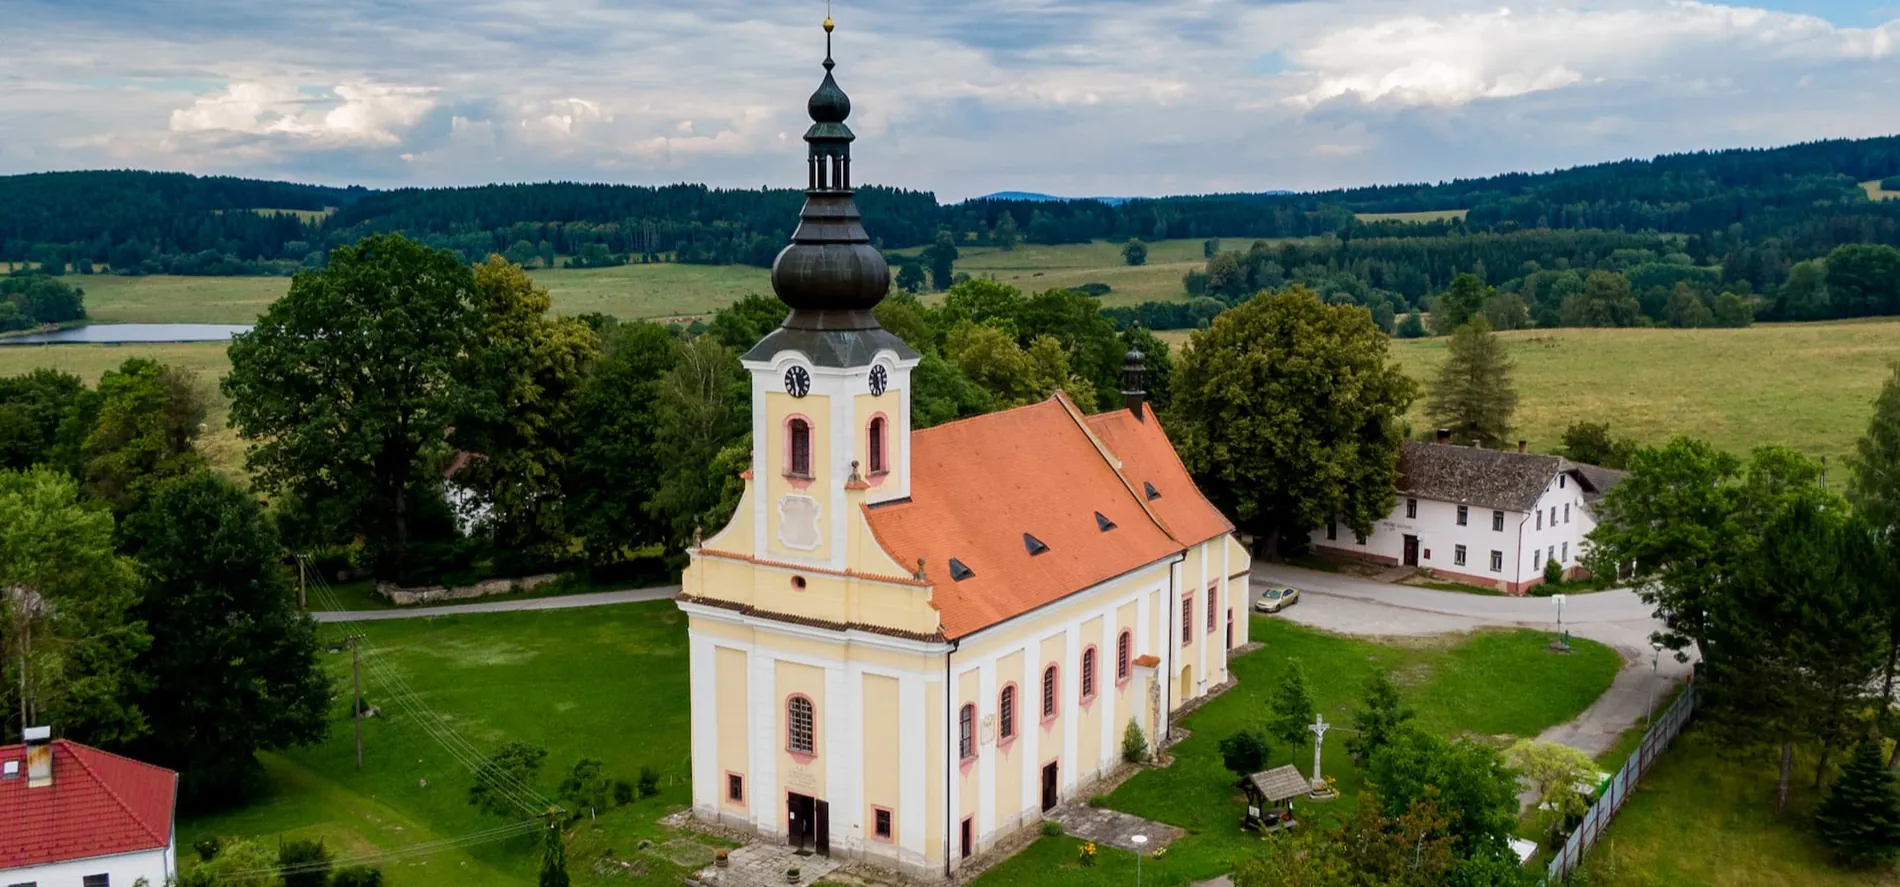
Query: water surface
x=122 y=333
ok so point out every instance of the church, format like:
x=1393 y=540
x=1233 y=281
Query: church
x=908 y=645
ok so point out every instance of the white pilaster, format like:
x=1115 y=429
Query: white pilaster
x=1031 y=731
x=986 y=751
x=1072 y=702
x=844 y=768
x=845 y=443
x=954 y=791
x=763 y=749
x=1202 y=676
x=1106 y=688
x=703 y=682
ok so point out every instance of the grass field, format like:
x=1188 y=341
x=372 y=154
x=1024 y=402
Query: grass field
x=1433 y=215
x=219 y=443
x=1033 y=268
x=1875 y=192
x=608 y=683
x=1701 y=819
x=1492 y=686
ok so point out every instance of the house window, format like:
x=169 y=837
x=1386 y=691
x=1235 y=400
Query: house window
x=1411 y=508
x=735 y=788
x=1121 y=656
x=1537 y=559
x=1553 y=515
x=1049 y=692
x=881 y=823
x=1566 y=558
x=966 y=732
x=1540 y=518
x=1187 y=617
x=1006 y=713
x=1566 y=512
x=1332 y=531
x=1497 y=561
x=96 y=881
x=1088 y=673
x=1464 y=515
x=1497 y=521
x=798 y=448
x=1213 y=610
x=1458 y=556
x=875 y=446
x=1563 y=481
x=798 y=725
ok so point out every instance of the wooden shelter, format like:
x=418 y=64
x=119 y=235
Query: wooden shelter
x=1270 y=797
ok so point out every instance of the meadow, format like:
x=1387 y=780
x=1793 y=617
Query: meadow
x=1034 y=267
x=1430 y=215
x=1491 y=687
x=1875 y=192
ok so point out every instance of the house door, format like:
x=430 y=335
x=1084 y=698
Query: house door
x=801 y=815
x=821 y=828
x=1411 y=551
x=1048 y=786
x=1230 y=629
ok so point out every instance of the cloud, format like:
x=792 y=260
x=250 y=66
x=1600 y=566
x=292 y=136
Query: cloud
x=1068 y=96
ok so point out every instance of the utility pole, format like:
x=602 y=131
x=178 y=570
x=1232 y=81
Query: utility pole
x=356 y=694
x=302 y=586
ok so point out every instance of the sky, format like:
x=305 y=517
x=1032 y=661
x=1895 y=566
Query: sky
x=958 y=97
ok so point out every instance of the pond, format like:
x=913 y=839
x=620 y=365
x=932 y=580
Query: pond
x=120 y=333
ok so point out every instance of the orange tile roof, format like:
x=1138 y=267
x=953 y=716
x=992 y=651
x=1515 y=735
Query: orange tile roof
x=1149 y=458
x=99 y=804
x=979 y=484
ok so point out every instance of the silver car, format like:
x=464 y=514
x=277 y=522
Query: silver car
x=1276 y=598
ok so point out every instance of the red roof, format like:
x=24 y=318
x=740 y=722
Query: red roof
x=1148 y=458
x=978 y=485
x=99 y=804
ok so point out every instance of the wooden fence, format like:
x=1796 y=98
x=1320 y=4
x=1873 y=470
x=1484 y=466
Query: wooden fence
x=1611 y=799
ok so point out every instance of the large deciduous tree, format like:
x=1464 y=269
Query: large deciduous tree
x=149 y=416
x=1468 y=781
x=68 y=630
x=232 y=669
x=702 y=410
x=1472 y=395
x=615 y=466
x=1288 y=413
x=349 y=384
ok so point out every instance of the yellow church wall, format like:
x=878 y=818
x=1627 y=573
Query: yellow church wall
x=968 y=772
x=826 y=596
x=879 y=703
x=934 y=788
x=1054 y=650
x=1057 y=616
x=736 y=535
x=729 y=676
x=1127 y=703
x=799 y=773
x=864 y=407
x=815 y=409
x=1007 y=801
x=1088 y=746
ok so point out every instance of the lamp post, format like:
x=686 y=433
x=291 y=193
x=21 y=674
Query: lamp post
x=1655 y=674
x=1140 y=842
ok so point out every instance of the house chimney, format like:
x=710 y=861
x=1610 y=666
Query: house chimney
x=1444 y=435
x=1523 y=446
x=39 y=757
x=1134 y=369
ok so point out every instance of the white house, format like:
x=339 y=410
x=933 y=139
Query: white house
x=76 y=816
x=1486 y=517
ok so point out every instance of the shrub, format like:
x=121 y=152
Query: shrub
x=1051 y=828
x=586 y=787
x=358 y=876
x=1553 y=573
x=1134 y=743
x=303 y=863
x=1094 y=289
x=1245 y=752
x=649 y=781
x=208 y=848
x=515 y=763
x=623 y=793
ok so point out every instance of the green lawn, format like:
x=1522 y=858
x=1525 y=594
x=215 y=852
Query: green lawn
x=604 y=682
x=1493 y=686
x=1033 y=268
x=1702 y=818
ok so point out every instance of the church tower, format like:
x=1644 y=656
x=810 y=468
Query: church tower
x=830 y=388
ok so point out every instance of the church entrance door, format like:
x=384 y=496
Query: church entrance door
x=801 y=822
x=1049 y=786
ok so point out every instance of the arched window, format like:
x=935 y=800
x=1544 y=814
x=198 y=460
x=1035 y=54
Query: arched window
x=798 y=447
x=966 y=731
x=1006 y=713
x=875 y=446
x=798 y=725
x=1049 y=692
x=1088 y=673
x=1121 y=655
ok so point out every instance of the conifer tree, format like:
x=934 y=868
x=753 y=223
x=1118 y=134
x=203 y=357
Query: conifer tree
x=1378 y=720
x=1473 y=395
x=1292 y=705
x=1860 y=818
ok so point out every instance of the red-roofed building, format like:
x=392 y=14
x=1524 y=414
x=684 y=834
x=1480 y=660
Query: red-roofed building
x=76 y=816
x=907 y=646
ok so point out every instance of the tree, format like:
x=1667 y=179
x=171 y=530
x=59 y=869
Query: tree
x=520 y=252
x=238 y=863
x=149 y=417
x=1733 y=313
x=1134 y=744
x=1134 y=252
x=498 y=784
x=1460 y=303
x=348 y=385
x=1860 y=817
x=1864 y=279
x=586 y=787
x=1874 y=491
x=1555 y=771
x=1210 y=247
x=910 y=276
x=1412 y=327
x=1288 y=414
x=1592 y=444
x=615 y=468
x=524 y=376
x=44 y=416
x=1604 y=301
x=1470 y=783
x=69 y=634
x=942 y=256
x=303 y=863
x=1804 y=295
x=1005 y=235
x=1686 y=308
x=1472 y=394
x=217 y=585
x=554 y=855
x=1292 y=706
x=698 y=414
x=1244 y=752
x=1307 y=858
x=1378 y=718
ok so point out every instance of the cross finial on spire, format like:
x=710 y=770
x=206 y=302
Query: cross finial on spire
x=828 y=26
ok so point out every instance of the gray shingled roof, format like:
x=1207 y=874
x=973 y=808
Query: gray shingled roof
x=831 y=348
x=1597 y=480
x=1501 y=479
x=1280 y=783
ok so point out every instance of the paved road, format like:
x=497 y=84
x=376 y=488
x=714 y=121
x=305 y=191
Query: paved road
x=561 y=602
x=1353 y=605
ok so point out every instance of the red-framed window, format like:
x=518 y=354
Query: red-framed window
x=1187 y=618
x=1049 y=692
x=966 y=732
x=801 y=726
x=798 y=447
x=874 y=446
x=1006 y=713
x=1088 y=673
x=1213 y=612
x=1122 y=645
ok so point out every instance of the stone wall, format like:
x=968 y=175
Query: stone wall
x=432 y=594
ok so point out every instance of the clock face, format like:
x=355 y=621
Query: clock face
x=879 y=379
x=797 y=382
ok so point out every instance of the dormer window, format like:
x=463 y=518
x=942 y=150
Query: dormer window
x=1034 y=545
x=1103 y=523
x=1149 y=488
x=798 y=448
x=960 y=572
x=874 y=447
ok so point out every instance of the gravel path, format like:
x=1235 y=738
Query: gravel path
x=560 y=602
